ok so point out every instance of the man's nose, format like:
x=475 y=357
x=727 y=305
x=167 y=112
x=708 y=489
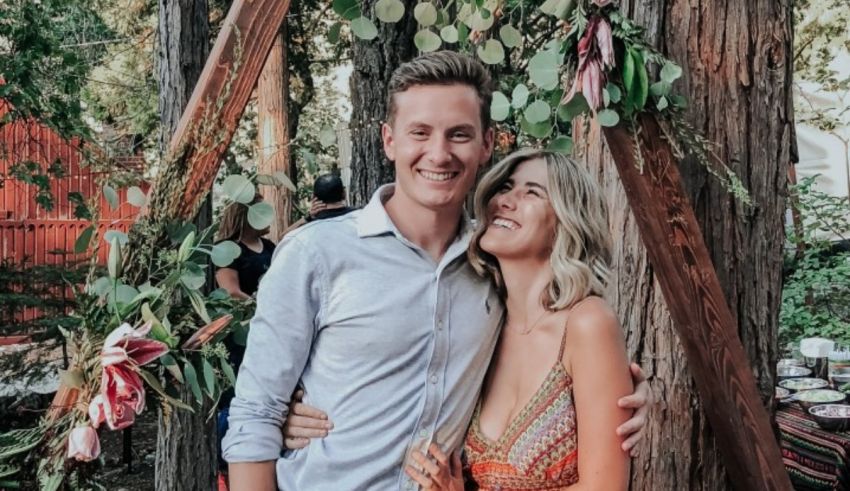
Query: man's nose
x=439 y=150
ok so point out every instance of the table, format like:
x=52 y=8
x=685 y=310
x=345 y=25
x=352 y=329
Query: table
x=815 y=459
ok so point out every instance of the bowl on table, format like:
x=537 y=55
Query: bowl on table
x=798 y=384
x=810 y=398
x=832 y=417
x=789 y=362
x=789 y=371
x=840 y=377
x=782 y=394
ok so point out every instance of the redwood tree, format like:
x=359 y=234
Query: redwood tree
x=186 y=442
x=737 y=64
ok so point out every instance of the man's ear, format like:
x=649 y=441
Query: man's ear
x=487 y=152
x=389 y=142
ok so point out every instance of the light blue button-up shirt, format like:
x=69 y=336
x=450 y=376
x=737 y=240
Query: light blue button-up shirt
x=393 y=346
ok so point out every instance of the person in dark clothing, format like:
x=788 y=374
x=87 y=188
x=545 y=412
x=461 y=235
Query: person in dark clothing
x=329 y=200
x=241 y=279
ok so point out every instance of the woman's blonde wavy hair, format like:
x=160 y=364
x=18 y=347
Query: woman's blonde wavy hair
x=234 y=219
x=581 y=250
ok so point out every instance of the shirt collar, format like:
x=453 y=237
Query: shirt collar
x=374 y=219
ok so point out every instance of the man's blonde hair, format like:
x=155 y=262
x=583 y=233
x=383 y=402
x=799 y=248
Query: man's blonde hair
x=581 y=250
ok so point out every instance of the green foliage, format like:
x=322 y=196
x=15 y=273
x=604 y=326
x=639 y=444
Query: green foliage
x=816 y=296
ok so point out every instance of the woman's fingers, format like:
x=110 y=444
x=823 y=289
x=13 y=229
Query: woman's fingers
x=295 y=443
x=630 y=445
x=457 y=465
x=430 y=467
x=300 y=432
x=423 y=480
x=438 y=454
x=301 y=409
x=309 y=422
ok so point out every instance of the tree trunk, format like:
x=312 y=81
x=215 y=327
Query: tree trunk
x=737 y=63
x=374 y=62
x=273 y=131
x=186 y=442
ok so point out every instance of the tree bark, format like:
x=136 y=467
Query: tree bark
x=186 y=446
x=273 y=131
x=737 y=63
x=374 y=62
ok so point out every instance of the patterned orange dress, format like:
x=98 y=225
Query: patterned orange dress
x=538 y=450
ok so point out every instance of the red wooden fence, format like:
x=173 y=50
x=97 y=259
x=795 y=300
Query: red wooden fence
x=30 y=235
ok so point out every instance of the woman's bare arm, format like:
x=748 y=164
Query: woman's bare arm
x=596 y=359
x=228 y=279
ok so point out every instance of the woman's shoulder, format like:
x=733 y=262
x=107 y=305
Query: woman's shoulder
x=592 y=317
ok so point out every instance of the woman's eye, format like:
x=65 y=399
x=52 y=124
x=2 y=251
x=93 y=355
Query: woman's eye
x=534 y=192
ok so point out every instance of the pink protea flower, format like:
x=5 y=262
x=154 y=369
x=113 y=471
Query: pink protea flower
x=595 y=57
x=83 y=444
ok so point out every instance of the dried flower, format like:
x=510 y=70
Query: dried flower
x=595 y=56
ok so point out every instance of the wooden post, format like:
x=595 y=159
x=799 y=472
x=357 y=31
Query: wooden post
x=218 y=101
x=706 y=327
x=273 y=132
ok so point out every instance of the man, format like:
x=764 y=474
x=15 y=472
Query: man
x=377 y=312
x=328 y=201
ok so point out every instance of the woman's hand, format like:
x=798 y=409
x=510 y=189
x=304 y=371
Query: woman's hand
x=642 y=401
x=438 y=472
x=303 y=423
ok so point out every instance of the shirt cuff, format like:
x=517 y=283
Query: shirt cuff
x=252 y=442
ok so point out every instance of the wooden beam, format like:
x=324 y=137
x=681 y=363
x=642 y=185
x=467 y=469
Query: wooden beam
x=707 y=329
x=218 y=101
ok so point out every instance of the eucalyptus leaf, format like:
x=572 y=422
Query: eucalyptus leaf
x=449 y=34
x=390 y=11
x=563 y=144
x=543 y=69
x=425 y=14
x=660 y=88
x=614 y=93
x=136 y=197
x=228 y=370
x=427 y=41
x=519 y=97
x=477 y=21
x=500 y=107
x=510 y=36
x=224 y=253
x=260 y=215
x=327 y=135
x=101 y=286
x=117 y=234
x=538 y=111
x=537 y=130
x=333 y=33
x=347 y=9
x=558 y=8
x=238 y=188
x=608 y=117
x=576 y=106
x=81 y=245
x=111 y=196
x=670 y=72
x=662 y=104
x=284 y=181
x=192 y=281
x=124 y=294
x=364 y=28
x=491 y=52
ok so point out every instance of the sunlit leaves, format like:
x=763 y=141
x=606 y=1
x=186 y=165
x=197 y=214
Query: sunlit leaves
x=449 y=34
x=389 y=10
x=543 y=70
x=519 y=96
x=491 y=52
x=427 y=41
x=425 y=14
x=260 y=215
x=538 y=111
x=364 y=28
x=500 y=107
x=510 y=36
x=238 y=188
x=136 y=197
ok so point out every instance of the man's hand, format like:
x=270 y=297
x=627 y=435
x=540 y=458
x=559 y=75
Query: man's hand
x=316 y=206
x=303 y=423
x=641 y=401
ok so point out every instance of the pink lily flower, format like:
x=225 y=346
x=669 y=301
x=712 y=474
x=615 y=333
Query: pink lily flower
x=83 y=444
x=128 y=344
x=602 y=3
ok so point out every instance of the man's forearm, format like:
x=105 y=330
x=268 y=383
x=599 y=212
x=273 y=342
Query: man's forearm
x=252 y=476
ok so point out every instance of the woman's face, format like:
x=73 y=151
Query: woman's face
x=520 y=219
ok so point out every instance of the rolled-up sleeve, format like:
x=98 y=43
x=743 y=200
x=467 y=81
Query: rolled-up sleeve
x=279 y=343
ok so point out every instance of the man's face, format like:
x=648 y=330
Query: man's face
x=437 y=143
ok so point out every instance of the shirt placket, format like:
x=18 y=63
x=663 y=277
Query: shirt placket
x=435 y=374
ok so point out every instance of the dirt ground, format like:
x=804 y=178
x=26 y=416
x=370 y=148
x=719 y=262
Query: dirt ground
x=139 y=475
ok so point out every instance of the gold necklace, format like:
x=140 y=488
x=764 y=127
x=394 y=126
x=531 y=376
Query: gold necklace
x=539 y=318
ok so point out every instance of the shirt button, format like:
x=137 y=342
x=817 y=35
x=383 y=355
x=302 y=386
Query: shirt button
x=439 y=325
x=433 y=379
x=423 y=433
x=409 y=485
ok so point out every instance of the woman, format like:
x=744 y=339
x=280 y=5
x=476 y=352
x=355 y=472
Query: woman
x=242 y=276
x=241 y=279
x=560 y=367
